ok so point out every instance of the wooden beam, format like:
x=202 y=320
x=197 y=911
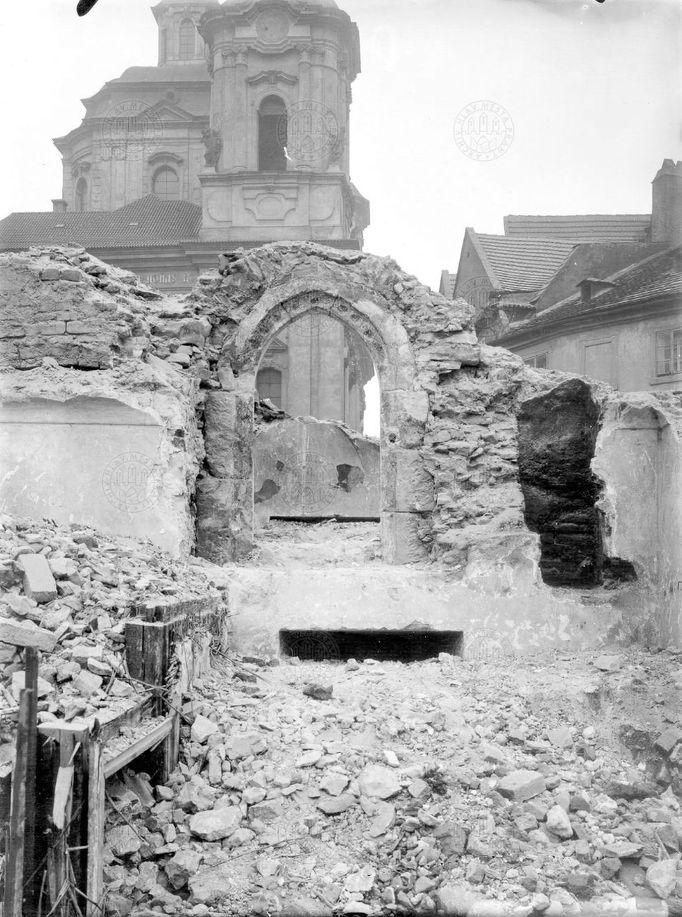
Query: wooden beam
x=31 y=887
x=14 y=865
x=95 y=874
x=137 y=748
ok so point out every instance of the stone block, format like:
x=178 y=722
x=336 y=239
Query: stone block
x=403 y=416
x=407 y=485
x=668 y=739
x=202 y=728
x=215 y=824
x=228 y=419
x=521 y=785
x=19 y=634
x=87 y=683
x=400 y=538
x=39 y=584
x=48 y=328
x=79 y=327
x=72 y=274
x=224 y=518
x=49 y=273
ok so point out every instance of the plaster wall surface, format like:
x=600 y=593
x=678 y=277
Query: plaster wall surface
x=315 y=469
x=639 y=458
x=622 y=355
x=89 y=460
x=263 y=601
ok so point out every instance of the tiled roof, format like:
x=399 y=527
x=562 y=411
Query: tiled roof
x=523 y=264
x=626 y=227
x=191 y=71
x=146 y=221
x=659 y=275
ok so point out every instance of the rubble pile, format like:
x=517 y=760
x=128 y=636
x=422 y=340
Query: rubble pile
x=67 y=591
x=467 y=787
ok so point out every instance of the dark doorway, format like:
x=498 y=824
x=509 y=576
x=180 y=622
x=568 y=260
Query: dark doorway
x=387 y=645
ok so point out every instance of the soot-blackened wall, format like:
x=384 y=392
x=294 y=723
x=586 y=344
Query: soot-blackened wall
x=557 y=436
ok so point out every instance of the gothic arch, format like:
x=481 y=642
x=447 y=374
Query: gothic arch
x=404 y=411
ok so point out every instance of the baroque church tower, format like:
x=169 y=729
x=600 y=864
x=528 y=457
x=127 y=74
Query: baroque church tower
x=281 y=75
x=246 y=115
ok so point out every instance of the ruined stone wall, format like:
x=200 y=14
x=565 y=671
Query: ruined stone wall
x=478 y=473
x=94 y=427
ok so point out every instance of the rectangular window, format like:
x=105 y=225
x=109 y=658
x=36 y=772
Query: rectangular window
x=539 y=361
x=669 y=352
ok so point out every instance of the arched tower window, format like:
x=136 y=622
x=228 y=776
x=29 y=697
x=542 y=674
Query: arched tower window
x=269 y=385
x=272 y=135
x=81 y=194
x=166 y=184
x=187 y=40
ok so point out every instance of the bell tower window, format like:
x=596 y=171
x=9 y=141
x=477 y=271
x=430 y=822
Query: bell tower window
x=187 y=43
x=272 y=132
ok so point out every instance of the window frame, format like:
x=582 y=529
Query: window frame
x=165 y=167
x=182 y=43
x=676 y=365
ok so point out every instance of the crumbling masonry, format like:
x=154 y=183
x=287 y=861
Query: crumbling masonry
x=537 y=503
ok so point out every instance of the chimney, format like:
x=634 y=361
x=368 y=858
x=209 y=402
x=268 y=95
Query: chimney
x=58 y=205
x=666 y=207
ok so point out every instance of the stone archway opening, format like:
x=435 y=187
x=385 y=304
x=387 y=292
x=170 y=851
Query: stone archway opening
x=316 y=405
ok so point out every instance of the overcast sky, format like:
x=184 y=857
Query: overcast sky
x=593 y=90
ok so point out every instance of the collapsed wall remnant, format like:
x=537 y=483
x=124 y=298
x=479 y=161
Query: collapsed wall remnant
x=557 y=436
x=477 y=473
x=311 y=469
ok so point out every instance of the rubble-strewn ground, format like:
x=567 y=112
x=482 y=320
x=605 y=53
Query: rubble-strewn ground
x=401 y=791
x=91 y=583
x=301 y=544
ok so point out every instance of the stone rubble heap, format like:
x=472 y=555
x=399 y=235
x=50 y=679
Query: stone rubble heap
x=67 y=591
x=445 y=786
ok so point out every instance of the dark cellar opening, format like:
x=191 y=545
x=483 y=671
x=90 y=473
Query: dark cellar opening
x=386 y=645
x=557 y=437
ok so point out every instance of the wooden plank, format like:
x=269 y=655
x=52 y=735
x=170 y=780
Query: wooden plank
x=109 y=729
x=14 y=865
x=134 y=634
x=58 y=851
x=31 y=888
x=95 y=874
x=139 y=747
